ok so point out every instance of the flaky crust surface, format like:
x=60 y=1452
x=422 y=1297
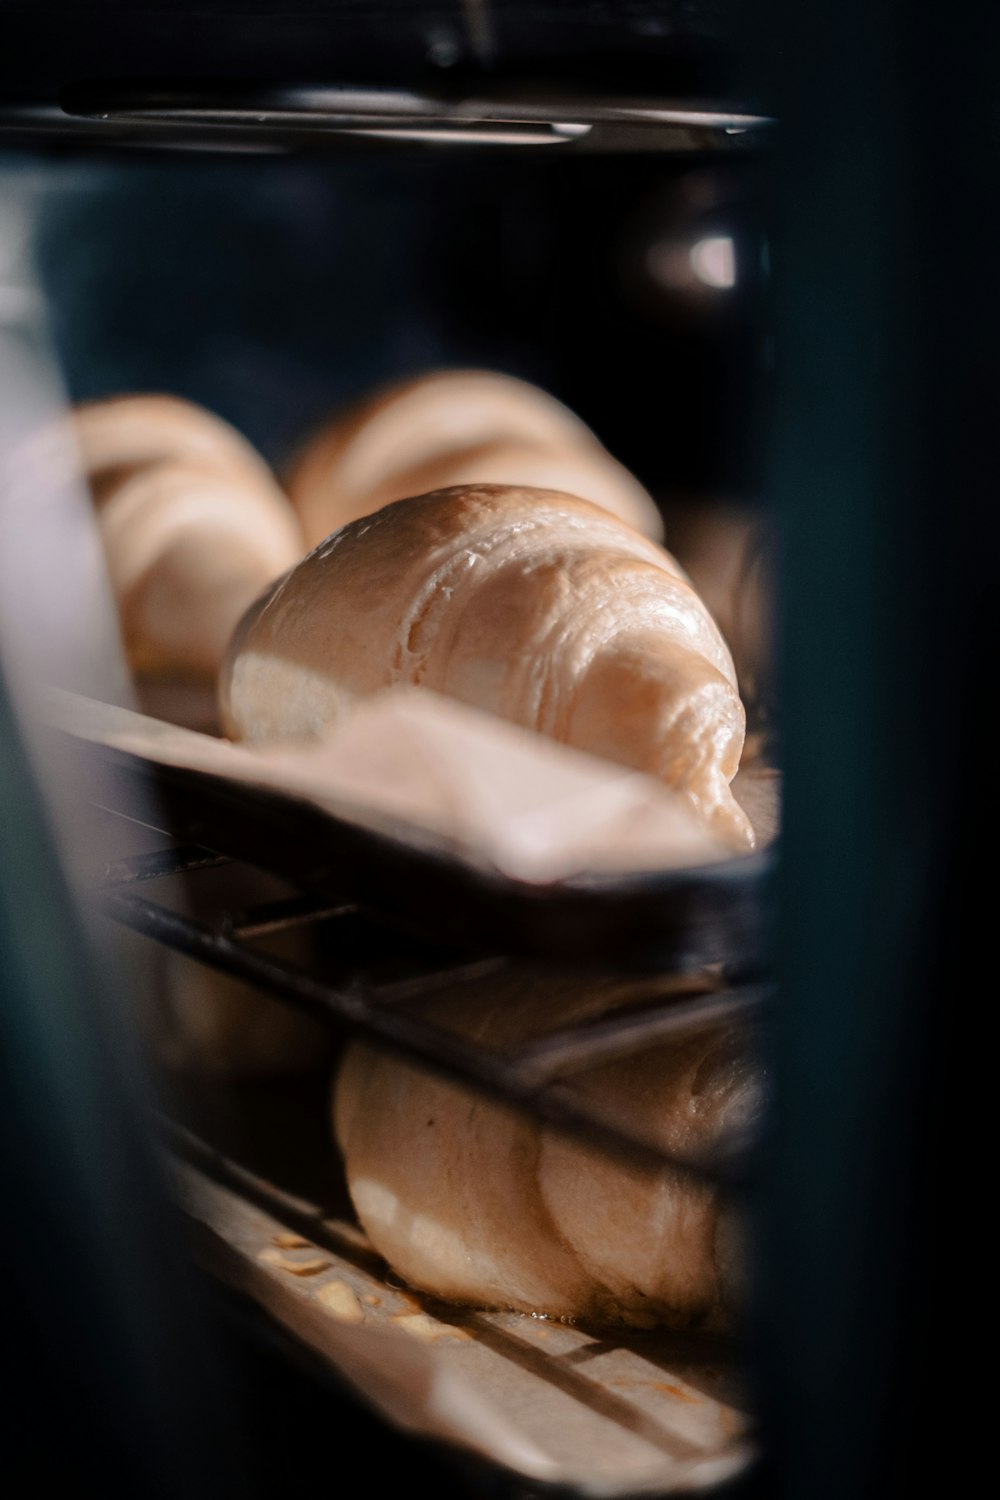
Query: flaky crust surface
x=479 y=1204
x=527 y=603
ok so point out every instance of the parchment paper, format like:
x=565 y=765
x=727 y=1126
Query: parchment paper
x=416 y=764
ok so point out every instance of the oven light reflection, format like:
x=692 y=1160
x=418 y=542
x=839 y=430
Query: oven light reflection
x=713 y=261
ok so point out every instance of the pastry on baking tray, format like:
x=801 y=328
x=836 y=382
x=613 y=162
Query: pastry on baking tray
x=456 y=427
x=193 y=525
x=478 y=1203
x=530 y=604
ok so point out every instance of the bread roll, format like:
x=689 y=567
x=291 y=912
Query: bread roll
x=457 y=427
x=193 y=524
x=479 y=1204
x=529 y=604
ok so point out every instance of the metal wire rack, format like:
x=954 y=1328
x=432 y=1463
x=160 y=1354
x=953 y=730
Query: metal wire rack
x=366 y=974
x=526 y=1079
x=710 y=930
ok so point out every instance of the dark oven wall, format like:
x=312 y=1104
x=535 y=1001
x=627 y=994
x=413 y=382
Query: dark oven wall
x=273 y=291
x=685 y=46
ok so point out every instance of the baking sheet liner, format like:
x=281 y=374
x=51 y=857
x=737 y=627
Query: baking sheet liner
x=605 y=1414
x=421 y=768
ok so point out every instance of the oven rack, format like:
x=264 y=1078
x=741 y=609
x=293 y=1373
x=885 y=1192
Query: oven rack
x=626 y=1414
x=703 y=932
x=296 y=117
x=570 y=1411
x=529 y=1079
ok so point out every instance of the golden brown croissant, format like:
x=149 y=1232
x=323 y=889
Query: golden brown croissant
x=482 y=1205
x=529 y=604
x=457 y=427
x=193 y=524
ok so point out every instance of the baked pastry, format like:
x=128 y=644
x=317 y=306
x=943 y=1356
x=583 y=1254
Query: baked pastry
x=480 y=1204
x=210 y=1023
x=457 y=427
x=138 y=431
x=526 y=603
x=193 y=525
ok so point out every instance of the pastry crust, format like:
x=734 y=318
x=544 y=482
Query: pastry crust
x=527 y=603
x=193 y=525
x=132 y=432
x=456 y=427
x=480 y=1204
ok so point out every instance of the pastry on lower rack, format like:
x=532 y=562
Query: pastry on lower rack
x=199 y=1020
x=206 y=1022
x=477 y=1203
x=457 y=427
x=526 y=603
x=193 y=525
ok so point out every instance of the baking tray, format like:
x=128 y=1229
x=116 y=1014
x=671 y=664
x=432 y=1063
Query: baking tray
x=675 y=919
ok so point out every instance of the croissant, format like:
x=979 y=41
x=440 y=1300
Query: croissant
x=193 y=525
x=132 y=432
x=481 y=1205
x=457 y=427
x=527 y=603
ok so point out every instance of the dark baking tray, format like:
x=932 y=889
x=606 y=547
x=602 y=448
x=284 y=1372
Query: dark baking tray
x=676 y=919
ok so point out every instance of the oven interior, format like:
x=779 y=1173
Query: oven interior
x=219 y=243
